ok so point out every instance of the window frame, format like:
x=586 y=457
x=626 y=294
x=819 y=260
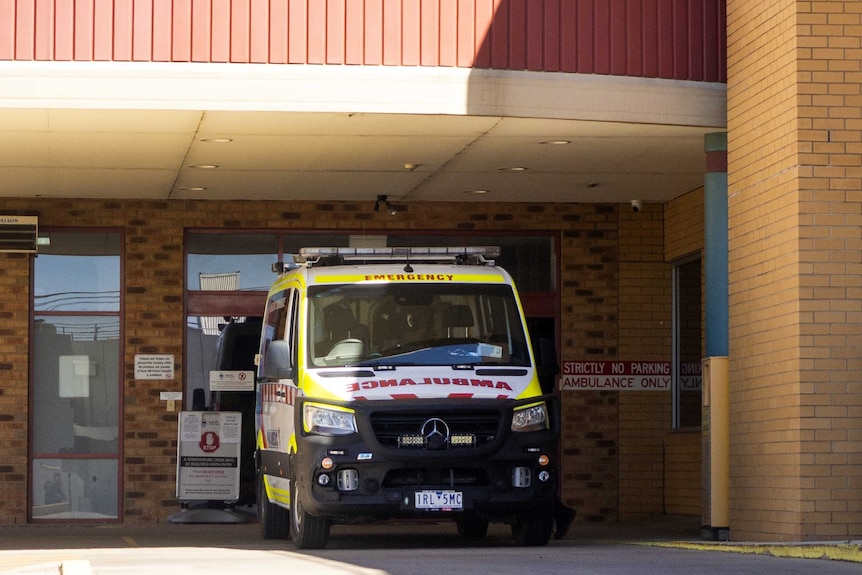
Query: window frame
x=116 y=456
x=676 y=385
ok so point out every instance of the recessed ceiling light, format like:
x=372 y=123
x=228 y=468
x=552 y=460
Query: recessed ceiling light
x=556 y=142
x=477 y=192
x=512 y=169
x=192 y=189
x=204 y=167
x=217 y=140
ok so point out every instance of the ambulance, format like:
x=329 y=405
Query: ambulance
x=400 y=383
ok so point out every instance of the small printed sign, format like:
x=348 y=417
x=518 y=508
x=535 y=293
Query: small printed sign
x=231 y=381
x=159 y=366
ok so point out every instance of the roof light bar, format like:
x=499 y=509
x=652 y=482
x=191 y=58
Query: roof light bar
x=480 y=254
x=486 y=251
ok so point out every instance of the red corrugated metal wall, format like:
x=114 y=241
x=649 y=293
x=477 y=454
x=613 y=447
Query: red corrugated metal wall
x=680 y=39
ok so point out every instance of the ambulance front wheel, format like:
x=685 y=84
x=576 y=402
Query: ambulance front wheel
x=274 y=520
x=309 y=531
x=472 y=526
x=534 y=529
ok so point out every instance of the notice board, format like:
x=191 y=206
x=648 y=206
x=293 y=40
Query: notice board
x=208 y=455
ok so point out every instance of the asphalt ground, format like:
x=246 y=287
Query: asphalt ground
x=228 y=548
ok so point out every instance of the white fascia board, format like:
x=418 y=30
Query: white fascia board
x=360 y=89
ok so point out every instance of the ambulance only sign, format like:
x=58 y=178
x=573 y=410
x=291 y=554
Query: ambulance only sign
x=616 y=376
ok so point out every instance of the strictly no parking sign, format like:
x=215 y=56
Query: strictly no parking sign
x=208 y=455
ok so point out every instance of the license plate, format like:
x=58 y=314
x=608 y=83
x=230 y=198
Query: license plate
x=439 y=500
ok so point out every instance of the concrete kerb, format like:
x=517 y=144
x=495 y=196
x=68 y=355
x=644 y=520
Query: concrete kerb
x=837 y=551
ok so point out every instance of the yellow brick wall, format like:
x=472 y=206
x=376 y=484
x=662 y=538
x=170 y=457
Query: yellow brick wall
x=682 y=473
x=645 y=334
x=684 y=237
x=589 y=325
x=795 y=215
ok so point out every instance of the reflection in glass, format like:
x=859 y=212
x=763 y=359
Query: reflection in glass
x=246 y=258
x=75 y=384
x=75 y=380
x=688 y=336
x=414 y=324
x=74 y=488
x=530 y=260
x=78 y=275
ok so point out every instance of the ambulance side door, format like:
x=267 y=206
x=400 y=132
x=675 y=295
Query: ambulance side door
x=277 y=370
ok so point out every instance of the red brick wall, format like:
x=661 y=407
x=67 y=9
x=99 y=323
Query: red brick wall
x=14 y=353
x=601 y=248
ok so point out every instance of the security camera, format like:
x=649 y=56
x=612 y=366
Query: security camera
x=637 y=205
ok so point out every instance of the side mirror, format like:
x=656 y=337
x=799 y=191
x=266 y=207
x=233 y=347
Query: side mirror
x=277 y=362
x=547 y=368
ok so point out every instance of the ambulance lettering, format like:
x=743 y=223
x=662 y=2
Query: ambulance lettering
x=381 y=383
x=410 y=277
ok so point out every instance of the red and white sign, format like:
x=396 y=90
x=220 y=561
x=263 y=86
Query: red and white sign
x=616 y=376
x=209 y=442
x=231 y=381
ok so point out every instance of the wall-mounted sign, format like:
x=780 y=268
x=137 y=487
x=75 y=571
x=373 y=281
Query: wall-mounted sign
x=616 y=376
x=154 y=366
x=19 y=233
x=231 y=381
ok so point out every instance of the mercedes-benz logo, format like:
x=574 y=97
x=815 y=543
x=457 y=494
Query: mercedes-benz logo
x=436 y=433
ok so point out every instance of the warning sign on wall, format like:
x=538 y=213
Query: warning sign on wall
x=616 y=375
x=208 y=455
x=231 y=381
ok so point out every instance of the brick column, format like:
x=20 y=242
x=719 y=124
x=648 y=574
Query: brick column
x=795 y=237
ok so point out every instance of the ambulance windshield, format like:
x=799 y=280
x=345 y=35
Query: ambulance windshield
x=396 y=324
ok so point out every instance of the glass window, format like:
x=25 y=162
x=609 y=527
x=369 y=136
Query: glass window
x=243 y=261
x=228 y=262
x=75 y=488
x=688 y=335
x=274 y=325
x=530 y=260
x=76 y=384
x=78 y=272
x=415 y=324
x=76 y=376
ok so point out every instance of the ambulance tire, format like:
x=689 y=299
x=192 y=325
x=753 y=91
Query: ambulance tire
x=274 y=520
x=472 y=526
x=309 y=531
x=533 y=529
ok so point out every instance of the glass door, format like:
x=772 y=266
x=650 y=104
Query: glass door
x=76 y=380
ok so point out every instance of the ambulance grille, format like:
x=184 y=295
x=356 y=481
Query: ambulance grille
x=400 y=430
x=438 y=478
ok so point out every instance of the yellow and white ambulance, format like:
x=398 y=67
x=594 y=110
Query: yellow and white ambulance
x=400 y=382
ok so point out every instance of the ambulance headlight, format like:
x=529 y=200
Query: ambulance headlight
x=328 y=420
x=533 y=417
